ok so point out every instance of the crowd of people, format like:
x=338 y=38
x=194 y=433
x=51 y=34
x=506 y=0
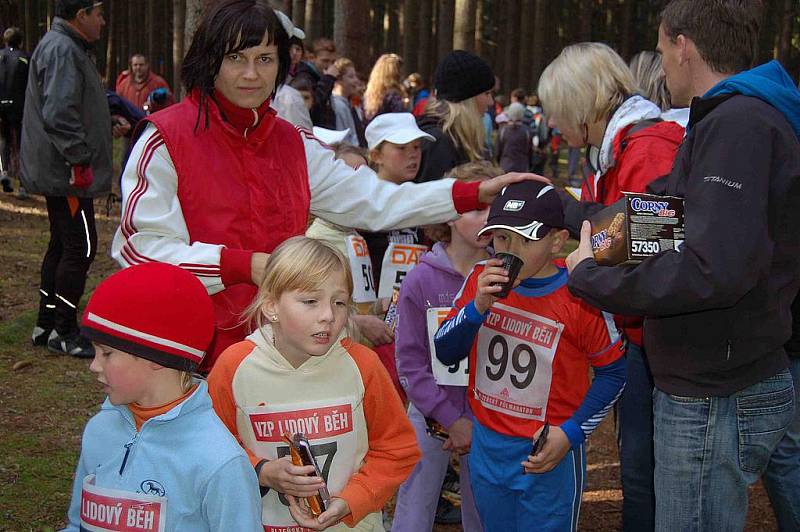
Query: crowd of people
x=340 y=286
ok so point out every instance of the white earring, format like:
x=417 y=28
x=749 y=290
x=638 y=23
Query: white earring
x=273 y=318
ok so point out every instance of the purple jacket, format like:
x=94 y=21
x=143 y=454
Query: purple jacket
x=432 y=283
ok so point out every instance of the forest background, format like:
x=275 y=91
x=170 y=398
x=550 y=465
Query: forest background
x=518 y=37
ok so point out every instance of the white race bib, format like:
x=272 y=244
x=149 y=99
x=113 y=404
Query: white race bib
x=329 y=429
x=514 y=363
x=361 y=269
x=458 y=373
x=398 y=260
x=112 y=510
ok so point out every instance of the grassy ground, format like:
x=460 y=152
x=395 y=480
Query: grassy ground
x=45 y=400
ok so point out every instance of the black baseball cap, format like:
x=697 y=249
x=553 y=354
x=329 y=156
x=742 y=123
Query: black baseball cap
x=529 y=208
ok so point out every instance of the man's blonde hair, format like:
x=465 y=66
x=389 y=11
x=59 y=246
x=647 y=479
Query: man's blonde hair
x=584 y=84
x=299 y=263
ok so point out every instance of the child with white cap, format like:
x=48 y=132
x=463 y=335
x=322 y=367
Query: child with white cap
x=156 y=457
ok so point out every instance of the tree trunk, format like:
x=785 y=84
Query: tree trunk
x=410 y=34
x=464 y=31
x=178 y=21
x=626 y=31
x=393 y=38
x=351 y=31
x=29 y=27
x=481 y=47
x=585 y=9
x=425 y=55
x=539 y=35
x=314 y=12
x=110 y=75
x=150 y=22
x=194 y=14
x=785 y=37
x=444 y=27
x=299 y=13
x=512 y=44
x=524 y=66
x=377 y=34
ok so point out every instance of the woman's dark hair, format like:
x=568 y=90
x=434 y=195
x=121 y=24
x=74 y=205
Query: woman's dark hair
x=231 y=26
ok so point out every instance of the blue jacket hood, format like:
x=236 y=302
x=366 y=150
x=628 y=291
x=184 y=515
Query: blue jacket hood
x=768 y=82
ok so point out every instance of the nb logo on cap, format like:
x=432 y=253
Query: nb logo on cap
x=514 y=205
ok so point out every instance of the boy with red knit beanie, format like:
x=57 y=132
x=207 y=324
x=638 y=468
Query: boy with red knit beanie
x=156 y=457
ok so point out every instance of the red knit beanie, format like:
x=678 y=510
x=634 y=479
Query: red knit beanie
x=155 y=311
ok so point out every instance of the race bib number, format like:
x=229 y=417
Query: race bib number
x=328 y=428
x=105 y=510
x=458 y=373
x=361 y=269
x=514 y=368
x=398 y=260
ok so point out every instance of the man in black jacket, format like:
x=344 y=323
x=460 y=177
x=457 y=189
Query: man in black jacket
x=13 y=79
x=717 y=311
x=66 y=157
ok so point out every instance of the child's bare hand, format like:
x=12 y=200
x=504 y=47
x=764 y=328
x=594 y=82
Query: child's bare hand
x=289 y=479
x=554 y=450
x=337 y=510
x=493 y=273
x=460 y=436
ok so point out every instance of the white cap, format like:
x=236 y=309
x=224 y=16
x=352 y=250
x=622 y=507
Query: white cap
x=397 y=128
x=330 y=136
x=289 y=26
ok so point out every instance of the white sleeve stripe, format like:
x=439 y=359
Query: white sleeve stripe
x=128 y=228
x=141 y=182
x=590 y=424
x=613 y=332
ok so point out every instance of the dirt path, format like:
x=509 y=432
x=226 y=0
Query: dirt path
x=44 y=404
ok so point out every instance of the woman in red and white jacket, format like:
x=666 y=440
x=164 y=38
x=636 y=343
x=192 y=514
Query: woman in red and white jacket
x=217 y=181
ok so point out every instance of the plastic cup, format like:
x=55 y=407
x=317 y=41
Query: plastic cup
x=512 y=264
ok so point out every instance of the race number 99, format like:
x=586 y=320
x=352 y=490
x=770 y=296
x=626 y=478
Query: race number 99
x=521 y=358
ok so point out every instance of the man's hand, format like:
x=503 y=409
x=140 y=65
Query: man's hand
x=490 y=188
x=289 y=479
x=584 y=249
x=493 y=273
x=337 y=510
x=554 y=450
x=81 y=176
x=460 y=436
x=120 y=126
x=374 y=329
x=258 y=263
x=332 y=71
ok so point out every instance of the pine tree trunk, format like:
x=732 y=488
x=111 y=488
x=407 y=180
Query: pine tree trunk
x=377 y=14
x=464 y=31
x=393 y=38
x=539 y=35
x=178 y=23
x=351 y=31
x=299 y=12
x=410 y=34
x=194 y=14
x=110 y=74
x=446 y=11
x=150 y=24
x=585 y=9
x=424 y=52
x=512 y=44
x=785 y=38
x=481 y=48
x=314 y=12
x=626 y=31
x=524 y=66
x=30 y=37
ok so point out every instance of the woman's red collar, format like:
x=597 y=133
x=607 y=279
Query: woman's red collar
x=241 y=118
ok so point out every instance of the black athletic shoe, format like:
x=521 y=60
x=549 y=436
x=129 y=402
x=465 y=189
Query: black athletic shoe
x=447 y=513
x=41 y=336
x=71 y=344
x=6 y=183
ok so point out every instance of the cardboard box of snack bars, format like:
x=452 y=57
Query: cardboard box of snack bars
x=636 y=227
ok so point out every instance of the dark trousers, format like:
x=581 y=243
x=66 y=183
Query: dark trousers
x=73 y=242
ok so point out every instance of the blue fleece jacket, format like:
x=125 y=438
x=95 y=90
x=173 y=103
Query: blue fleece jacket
x=185 y=455
x=768 y=82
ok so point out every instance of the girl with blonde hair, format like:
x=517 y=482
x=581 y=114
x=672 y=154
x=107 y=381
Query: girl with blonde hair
x=299 y=372
x=385 y=92
x=590 y=95
x=463 y=83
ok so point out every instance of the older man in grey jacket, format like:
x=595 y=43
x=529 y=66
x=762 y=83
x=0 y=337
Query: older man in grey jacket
x=66 y=157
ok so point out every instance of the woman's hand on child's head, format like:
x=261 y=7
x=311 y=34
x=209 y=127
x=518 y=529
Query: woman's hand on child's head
x=337 y=510
x=488 y=284
x=490 y=188
x=289 y=479
x=460 y=436
x=374 y=329
x=553 y=451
